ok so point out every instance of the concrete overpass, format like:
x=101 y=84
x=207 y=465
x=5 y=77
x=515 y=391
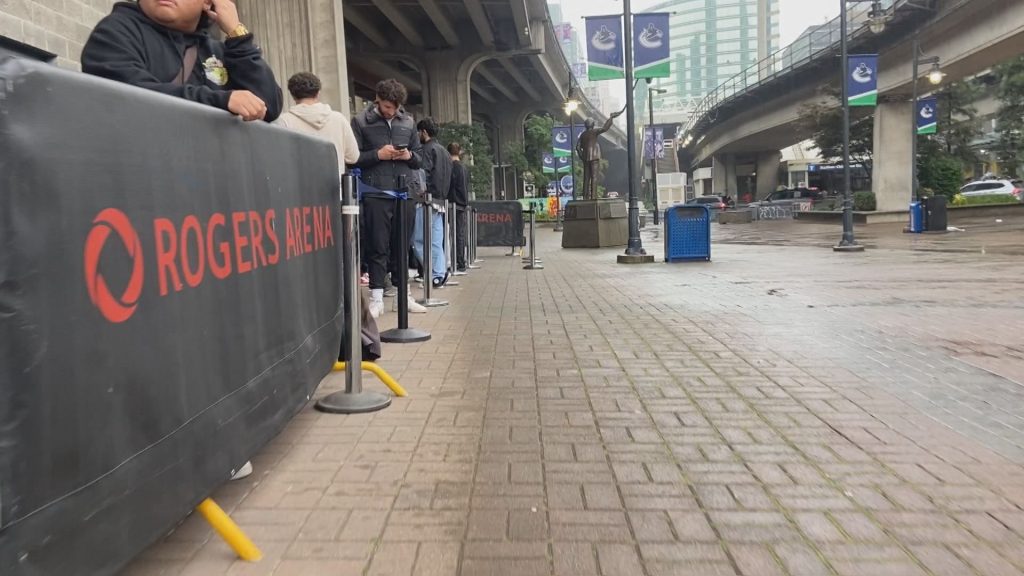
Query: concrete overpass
x=463 y=60
x=754 y=115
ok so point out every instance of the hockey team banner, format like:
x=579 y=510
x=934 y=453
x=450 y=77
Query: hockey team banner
x=654 y=142
x=862 y=84
x=604 y=48
x=928 y=115
x=548 y=163
x=650 y=45
x=563 y=164
x=170 y=296
x=562 y=139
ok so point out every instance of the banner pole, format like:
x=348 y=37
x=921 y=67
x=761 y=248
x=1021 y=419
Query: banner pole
x=353 y=400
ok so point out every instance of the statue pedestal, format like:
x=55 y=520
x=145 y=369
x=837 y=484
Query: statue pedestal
x=595 y=224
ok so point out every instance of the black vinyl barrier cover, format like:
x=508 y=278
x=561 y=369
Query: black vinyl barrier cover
x=499 y=223
x=169 y=298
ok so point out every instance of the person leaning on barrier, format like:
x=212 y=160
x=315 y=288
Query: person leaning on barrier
x=164 y=45
x=315 y=118
x=458 y=195
x=389 y=152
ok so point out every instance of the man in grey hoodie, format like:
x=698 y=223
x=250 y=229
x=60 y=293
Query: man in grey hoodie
x=316 y=118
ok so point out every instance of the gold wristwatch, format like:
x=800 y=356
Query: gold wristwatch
x=239 y=31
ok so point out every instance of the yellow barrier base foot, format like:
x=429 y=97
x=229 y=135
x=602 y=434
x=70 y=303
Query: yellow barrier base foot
x=381 y=375
x=229 y=531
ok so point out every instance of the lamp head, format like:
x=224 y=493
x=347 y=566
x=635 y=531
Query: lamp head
x=935 y=75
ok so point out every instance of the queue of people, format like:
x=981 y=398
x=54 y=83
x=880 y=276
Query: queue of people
x=167 y=47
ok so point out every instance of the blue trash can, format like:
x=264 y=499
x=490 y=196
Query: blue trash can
x=917 y=217
x=687 y=233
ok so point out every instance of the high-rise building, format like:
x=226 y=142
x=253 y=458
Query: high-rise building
x=712 y=41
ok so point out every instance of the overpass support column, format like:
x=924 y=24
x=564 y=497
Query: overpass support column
x=767 y=173
x=723 y=176
x=891 y=159
x=447 y=88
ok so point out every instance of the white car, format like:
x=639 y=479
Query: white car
x=1013 y=188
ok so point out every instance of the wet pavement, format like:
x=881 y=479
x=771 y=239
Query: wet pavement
x=780 y=410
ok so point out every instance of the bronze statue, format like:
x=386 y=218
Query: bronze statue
x=589 y=150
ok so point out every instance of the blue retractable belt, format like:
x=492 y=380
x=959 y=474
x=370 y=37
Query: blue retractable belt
x=363 y=188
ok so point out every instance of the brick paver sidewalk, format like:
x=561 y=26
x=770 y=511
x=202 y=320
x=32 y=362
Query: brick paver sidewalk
x=781 y=410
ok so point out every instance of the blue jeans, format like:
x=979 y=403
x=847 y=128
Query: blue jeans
x=436 y=241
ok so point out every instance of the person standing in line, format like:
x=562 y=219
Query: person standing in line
x=459 y=197
x=164 y=46
x=311 y=116
x=389 y=152
x=438 y=167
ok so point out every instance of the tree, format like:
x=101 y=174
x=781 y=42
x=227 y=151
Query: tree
x=825 y=121
x=1010 y=118
x=476 y=153
x=960 y=128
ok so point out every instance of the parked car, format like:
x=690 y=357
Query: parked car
x=791 y=196
x=712 y=202
x=1013 y=188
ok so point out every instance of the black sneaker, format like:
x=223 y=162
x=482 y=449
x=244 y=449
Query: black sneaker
x=440 y=282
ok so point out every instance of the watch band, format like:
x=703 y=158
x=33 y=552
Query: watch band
x=239 y=31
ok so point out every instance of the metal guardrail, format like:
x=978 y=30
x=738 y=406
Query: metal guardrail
x=819 y=44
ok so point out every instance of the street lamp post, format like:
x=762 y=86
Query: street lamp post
x=571 y=105
x=935 y=77
x=651 y=91
x=877 y=18
x=635 y=253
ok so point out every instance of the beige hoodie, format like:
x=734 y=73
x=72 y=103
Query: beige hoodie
x=320 y=121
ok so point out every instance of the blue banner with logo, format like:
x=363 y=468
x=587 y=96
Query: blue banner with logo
x=651 y=45
x=563 y=164
x=562 y=140
x=604 y=48
x=928 y=115
x=548 y=161
x=862 y=83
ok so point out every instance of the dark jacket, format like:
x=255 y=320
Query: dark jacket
x=438 y=165
x=372 y=133
x=128 y=47
x=460 y=184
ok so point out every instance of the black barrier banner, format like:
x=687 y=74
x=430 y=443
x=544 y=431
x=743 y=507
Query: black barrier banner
x=499 y=223
x=169 y=299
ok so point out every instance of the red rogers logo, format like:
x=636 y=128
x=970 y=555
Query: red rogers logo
x=114 y=309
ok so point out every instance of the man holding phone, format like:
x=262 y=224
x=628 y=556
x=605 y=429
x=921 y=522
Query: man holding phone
x=163 y=45
x=389 y=153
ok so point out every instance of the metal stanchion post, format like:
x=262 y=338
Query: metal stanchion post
x=428 y=263
x=531 y=256
x=353 y=400
x=473 y=260
x=403 y=334
x=456 y=232
x=449 y=242
x=534 y=264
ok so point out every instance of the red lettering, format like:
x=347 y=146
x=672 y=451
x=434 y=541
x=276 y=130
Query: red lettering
x=328 y=232
x=256 y=227
x=272 y=234
x=166 y=247
x=306 y=229
x=192 y=276
x=318 y=228
x=220 y=269
x=240 y=242
x=293 y=249
x=297 y=230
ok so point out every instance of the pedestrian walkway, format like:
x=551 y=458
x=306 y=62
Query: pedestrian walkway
x=782 y=410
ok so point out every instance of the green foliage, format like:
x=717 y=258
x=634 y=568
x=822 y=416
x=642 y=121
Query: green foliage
x=959 y=127
x=476 y=154
x=864 y=201
x=825 y=120
x=985 y=200
x=939 y=170
x=1010 y=149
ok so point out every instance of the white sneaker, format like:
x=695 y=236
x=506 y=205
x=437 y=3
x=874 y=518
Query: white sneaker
x=415 y=307
x=376 y=308
x=244 y=471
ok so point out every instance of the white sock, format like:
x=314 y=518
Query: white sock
x=377 y=294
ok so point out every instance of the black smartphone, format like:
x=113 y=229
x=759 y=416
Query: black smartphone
x=401 y=147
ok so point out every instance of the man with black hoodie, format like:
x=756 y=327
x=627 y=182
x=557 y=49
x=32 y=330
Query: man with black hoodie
x=163 y=45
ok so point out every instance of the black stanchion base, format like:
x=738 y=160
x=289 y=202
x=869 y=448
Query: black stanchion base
x=635 y=259
x=537 y=266
x=404 y=336
x=345 y=403
x=848 y=248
